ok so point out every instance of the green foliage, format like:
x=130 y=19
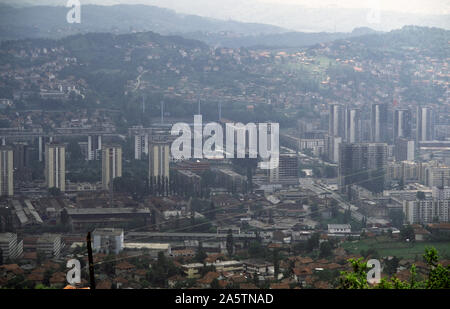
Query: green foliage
x=357 y=279
x=276 y=263
x=391 y=265
x=161 y=270
x=396 y=217
x=326 y=249
x=407 y=232
x=420 y=195
x=256 y=250
x=438 y=277
x=206 y=269
x=313 y=242
x=54 y=191
x=215 y=284
x=200 y=255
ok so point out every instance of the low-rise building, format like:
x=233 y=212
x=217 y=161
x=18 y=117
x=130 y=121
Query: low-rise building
x=339 y=229
x=108 y=240
x=50 y=245
x=152 y=249
x=11 y=247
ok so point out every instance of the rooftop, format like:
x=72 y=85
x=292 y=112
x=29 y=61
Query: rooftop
x=108 y=232
x=151 y=246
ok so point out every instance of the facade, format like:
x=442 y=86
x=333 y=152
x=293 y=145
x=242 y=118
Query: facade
x=22 y=156
x=404 y=150
x=436 y=176
x=151 y=249
x=407 y=171
x=364 y=164
x=286 y=172
x=426 y=211
x=83 y=218
x=11 y=247
x=140 y=146
x=159 y=160
x=108 y=240
x=50 y=245
x=402 y=124
x=353 y=125
x=316 y=145
x=190 y=179
x=94 y=147
x=333 y=148
x=379 y=123
x=231 y=180
x=424 y=125
x=339 y=229
x=141 y=138
x=336 y=124
x=111 y=164
x=6 y=171
x=441 y=193
x=55 y=166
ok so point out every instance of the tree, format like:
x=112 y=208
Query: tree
x=420 y=195
x=212 y=211
x=438 y=276
x=230 y=243
x=47 y=276
x=200 y=255
x=397 y=217
x=271 y=217
x=326 y=249
x=108 y=266
x=391 y=265
x=313 y=242
x=276 y=263
x=74 y=150
x=64 y=217
x=315 y=211
x=54 y=191
x=215 y=284
x=364 y=222
x=407 y=232
x=255 y=250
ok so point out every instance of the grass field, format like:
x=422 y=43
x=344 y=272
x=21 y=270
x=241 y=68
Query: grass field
x=319 y=68
x=388 y=247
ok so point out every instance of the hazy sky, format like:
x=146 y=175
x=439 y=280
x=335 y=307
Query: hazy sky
x=405 y=6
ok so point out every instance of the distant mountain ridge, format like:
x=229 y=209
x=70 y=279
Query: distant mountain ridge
x=279 y=40
x=50 y=22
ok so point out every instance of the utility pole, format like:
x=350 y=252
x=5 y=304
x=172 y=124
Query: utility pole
x=91 y=261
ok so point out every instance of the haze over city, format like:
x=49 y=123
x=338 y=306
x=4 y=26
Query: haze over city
x=194 y=148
